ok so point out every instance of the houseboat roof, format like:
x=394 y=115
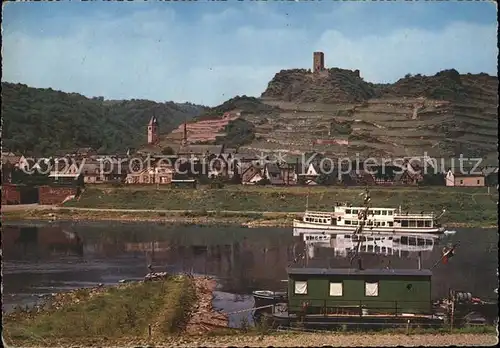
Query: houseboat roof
x=353 y=271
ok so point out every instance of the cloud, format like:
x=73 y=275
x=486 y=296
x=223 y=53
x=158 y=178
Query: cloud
x=161 y=55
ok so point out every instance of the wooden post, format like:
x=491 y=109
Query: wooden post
x=452 y=312
x=149 y=330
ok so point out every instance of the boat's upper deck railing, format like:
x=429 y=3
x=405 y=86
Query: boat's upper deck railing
x=421 y=215
x=311 y=213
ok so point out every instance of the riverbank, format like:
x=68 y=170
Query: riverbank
x=188 y=217
x=193 y=217
x=147 y=311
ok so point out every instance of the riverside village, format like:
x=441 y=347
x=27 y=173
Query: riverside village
x=333 y=207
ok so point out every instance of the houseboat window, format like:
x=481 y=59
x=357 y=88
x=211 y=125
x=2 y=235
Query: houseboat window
x=384 y=212
x=384 y=249
x=354 y=222
x=355 y=211
x=370 y=248
x=420 y=241
x=427 y=223
x=370 y=223
x=428 y=242
x=389 y=212
x=348 y=211
x=377 y=212
x=300 y=287
x=371 y=289
x=347 y=222
x=383 y=223
x=377 y=249
x=404 y=223
x=413 y=223
x=420 y=223
x=336 y=289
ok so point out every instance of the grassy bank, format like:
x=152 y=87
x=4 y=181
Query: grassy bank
x=123 y=312
x=465 y=206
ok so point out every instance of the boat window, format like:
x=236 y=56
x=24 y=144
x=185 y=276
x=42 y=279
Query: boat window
x=348 y=211
x=370 y=248
x=420 y=223
x=370 y=211
x=389 y=212
x=420 y=241
x=370 y=223
x=389 y=223
x=371 y=289
x=377 y=223
x=384 y=212
x=300 y=287
x=347 y=222
x=404 y=223
x=412 y=241
x=384 y=249
x=383 y=223
x=377 y=249
x=427 y=223
x=355 y=211
x=336 y=289
x=377 y=212
x=428 y=242
x=404 y=240
x=413 y=223
x=354 y=222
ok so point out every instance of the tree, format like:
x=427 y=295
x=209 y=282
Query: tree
x=168 y=151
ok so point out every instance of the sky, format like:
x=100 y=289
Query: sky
x=206 y=52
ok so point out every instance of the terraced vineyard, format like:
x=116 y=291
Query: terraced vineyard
x=337 y=112
x=443 y=115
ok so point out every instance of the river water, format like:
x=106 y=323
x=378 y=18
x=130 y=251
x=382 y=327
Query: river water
x=40 y=258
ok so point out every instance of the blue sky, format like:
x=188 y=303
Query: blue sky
x=207 y=52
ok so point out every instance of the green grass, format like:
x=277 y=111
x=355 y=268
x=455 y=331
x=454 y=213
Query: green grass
x=115 y=313
x=464 y=205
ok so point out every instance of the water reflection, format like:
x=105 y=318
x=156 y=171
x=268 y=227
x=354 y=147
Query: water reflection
x=47 y=258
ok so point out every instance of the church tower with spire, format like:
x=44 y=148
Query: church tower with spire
x=153 y=129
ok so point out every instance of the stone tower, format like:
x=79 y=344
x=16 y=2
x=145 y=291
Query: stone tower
x=318 y=61
x=153 y=130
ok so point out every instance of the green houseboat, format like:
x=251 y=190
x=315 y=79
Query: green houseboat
x=324 y=296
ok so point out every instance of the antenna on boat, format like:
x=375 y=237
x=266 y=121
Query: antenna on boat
x=442 y=213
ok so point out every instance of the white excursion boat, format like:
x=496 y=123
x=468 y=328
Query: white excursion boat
x=348 y=219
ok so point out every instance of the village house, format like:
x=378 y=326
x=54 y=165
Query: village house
x=273 y=173
x=160 y=173
x=251 y=173
x=469 y=180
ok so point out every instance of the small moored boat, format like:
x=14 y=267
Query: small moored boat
x=268 y=297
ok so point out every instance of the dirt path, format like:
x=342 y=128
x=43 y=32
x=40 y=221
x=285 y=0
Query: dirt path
x=337 y=340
